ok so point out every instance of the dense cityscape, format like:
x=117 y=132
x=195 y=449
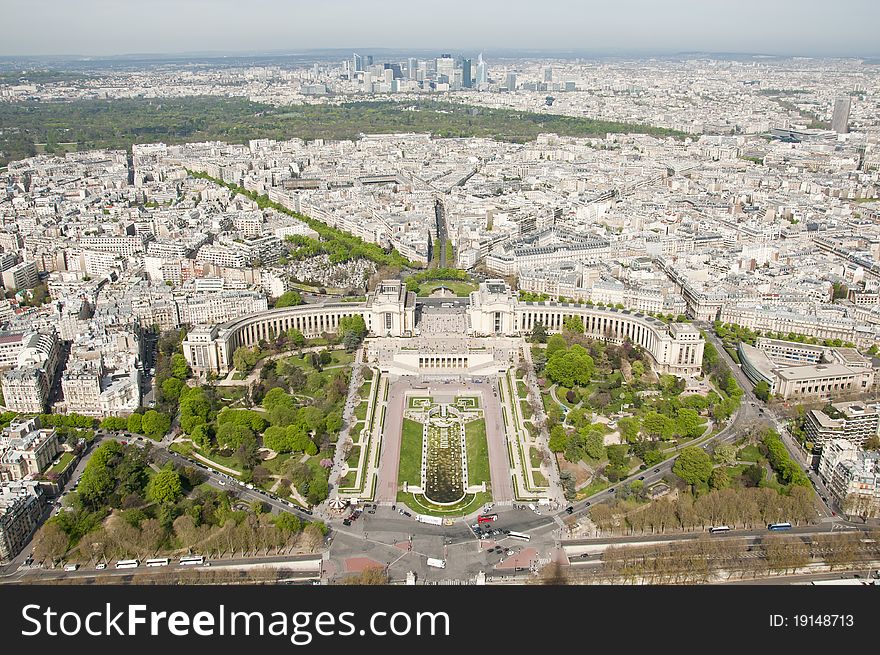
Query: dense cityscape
x=441 y=318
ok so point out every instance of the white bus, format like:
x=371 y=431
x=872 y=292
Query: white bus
x=437 y=563
x=127 y=564
x=518 y=535
x=158 y=561
x=719 y=528
x=191 y=560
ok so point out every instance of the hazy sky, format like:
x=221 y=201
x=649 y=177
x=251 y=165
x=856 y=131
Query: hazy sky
x=106 y=27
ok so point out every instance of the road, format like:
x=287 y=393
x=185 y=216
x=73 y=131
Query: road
x=440 y=213
x=304 y=567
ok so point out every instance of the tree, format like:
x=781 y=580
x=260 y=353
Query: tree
x=355 y=324
x=244 y=358
x=558 y=439
x=638 y=370
x=135 y=423
x=155 y=425
x=539 y=333
x=688 y=423
x=289 y=299
x=658 y=426
x=179 y=368
x=629 y=428
x=172 y=388
x=593 y=443
x=693 y=465
x=569 y=368
x=318 y=490
x=719 y=478
x=288 y=523
x=297 y=339
x=762 y=391
x=232 y=436
x=165 y=487
x=50 y=543
x=573 y=324
x=350 y=340
x=725 y=453
x=97 y=481
x=555 y=343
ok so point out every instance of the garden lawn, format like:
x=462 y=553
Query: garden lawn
x=410 y=469
x=477 y=451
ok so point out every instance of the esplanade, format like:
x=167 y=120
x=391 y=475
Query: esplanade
x=492 y=310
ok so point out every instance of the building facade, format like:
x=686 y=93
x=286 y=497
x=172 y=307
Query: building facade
x=21 y=506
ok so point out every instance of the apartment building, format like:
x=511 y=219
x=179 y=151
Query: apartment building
x=21 y=276
x=26 y=449
x=854 y=422
x=852 y=476
x=21 y=506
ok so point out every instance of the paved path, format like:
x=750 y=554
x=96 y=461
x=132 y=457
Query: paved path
x=389 y=457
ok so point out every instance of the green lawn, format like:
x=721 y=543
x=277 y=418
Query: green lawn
x=361 y=411
x=184 y=449
x=522 y=390
x=276 y=464
x=477 y=451
x=470 y=503
x=540 y=480
x=594 y=487
x=353 y=457
x=526 y=409
x=410 y=469
x=348 y=480
x=461 y=289
x=63 y=463
x=535 y=457
x=750 y=453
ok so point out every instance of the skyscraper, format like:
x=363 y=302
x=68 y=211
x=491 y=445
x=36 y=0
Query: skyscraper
x=445 y=67
x=357 y=63
x=482 y=72
x=548 y=74
x=466 y=80
x=411 y=65
x=510 y=82
x=840 y=119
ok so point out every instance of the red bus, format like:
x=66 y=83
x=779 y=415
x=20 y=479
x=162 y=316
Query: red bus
x=487 y=518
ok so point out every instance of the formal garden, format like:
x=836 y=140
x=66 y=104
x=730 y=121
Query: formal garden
x=444 y=456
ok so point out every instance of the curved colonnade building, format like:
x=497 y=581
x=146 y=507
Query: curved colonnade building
x=493 y=310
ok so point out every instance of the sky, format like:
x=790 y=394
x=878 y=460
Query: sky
x=116 y=27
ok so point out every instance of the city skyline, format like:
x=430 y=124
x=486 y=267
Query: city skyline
x=631 y=27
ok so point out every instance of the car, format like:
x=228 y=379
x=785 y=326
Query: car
x=371 y=511
x=569 y=509
x=587 y=504
x=346 y=522
x=656 y=470
x=222 y=484
x=71 y=567
x=405 y=513
x=505 y=531
x=641 y=477
x=100 y=567
x=611 y=490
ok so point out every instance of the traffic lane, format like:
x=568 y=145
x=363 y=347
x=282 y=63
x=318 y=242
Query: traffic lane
x=813 y=529
x=84 y=572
